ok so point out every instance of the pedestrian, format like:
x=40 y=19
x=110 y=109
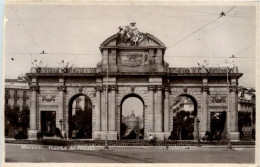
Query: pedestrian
x=151 y=140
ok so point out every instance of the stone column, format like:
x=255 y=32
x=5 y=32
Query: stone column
x=233 y=110
x=112 y=119
x=98 y=109
x=159 y=109
x=97 y=132
x=158 y=115
x=103 y=110
x=112 y=133
x=32 y=134
x=204 y=115
x=166 y=113
x=61 y=89
x=151 y=100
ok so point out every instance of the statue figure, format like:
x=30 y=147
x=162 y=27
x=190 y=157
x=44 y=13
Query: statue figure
x=131 y=33
x=38 y=65
x=65 y=65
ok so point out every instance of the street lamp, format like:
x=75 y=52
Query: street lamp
x=229 y=68
x=61 y=125
x=198 y=133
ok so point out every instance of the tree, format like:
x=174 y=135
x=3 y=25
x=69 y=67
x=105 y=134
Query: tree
x=25 y=117
x=83 y=122
x=11 y=119
x=137 y=127
x=123 y=129
x=12 y=115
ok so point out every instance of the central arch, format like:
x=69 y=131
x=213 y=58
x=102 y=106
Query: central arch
x=132 y=123
x=80 y=117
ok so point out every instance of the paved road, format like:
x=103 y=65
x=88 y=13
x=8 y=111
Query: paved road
x=32 y=153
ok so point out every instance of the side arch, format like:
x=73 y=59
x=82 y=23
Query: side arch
x=195 y=97
x=71 y=95
x=74 y=91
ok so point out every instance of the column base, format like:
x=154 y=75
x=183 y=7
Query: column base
x=97 y=135
x=64 y=134
x=234 y=136
x=111 y=135
x=166 y=135
x=202 y=134
x=147 y=134
x=158 y=136
x=32 y=134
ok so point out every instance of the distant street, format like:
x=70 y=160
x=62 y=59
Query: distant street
x=192 y=154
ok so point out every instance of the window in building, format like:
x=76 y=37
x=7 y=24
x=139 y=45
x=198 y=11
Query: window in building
x=6 y=101
x=15 y=102
x=24 y=102
x=24 y=94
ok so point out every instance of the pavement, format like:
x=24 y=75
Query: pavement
x=129 y=154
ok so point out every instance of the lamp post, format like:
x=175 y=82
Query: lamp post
x=198 y=133
x=228 y=112
x=229 y=146
x=61 y=125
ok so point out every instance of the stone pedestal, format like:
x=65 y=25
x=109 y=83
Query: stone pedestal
x=202 y=134
x=147 y=134
x=32 y=134
x=234 y=136
x=111 y=135
x=97 y=135
x=166 y=135
x=64 y=133
x=159 y=136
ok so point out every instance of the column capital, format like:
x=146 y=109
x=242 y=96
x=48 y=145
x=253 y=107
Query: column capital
x=61 y=88
x=233 y=88
x=151 y=87
x=204 y=88
x=34 y=87
x=104 y=87
x=98 y=88
x=167 y=88
x=159 y=87
x=113 y=87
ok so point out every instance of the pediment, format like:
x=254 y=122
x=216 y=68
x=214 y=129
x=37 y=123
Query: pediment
x=148 y=41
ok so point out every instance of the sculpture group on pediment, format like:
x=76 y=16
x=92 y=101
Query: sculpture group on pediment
x=130 y=34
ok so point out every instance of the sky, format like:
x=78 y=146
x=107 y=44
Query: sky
x=191 y=33
x=132 y=104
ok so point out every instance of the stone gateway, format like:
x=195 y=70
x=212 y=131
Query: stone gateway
x=132 y=65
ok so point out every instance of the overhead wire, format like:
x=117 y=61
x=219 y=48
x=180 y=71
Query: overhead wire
x=220 y=15
x=188 y=10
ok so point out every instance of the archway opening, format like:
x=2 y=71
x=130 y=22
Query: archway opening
x=184 y=118
x=132 y=117
x=80 y=117
x=217 y=125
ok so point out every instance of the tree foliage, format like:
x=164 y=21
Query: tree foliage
x=82 y=122
x=183 y=125
x=123 y=129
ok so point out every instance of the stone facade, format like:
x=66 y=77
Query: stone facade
x=134 y=70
